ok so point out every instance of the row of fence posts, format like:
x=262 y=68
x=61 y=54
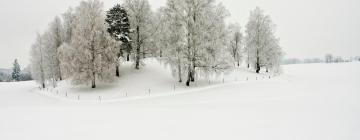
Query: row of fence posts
x=247 y=79
x=100 y=98
x=77 y=97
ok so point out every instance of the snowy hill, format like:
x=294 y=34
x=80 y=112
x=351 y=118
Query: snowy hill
x=312 y=102
x=155 y=79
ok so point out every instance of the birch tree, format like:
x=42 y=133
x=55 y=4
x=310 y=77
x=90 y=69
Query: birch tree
x=235 y=42
x=261 y=40
x=140 y=18
x=69 y=19
x=172 y=38
x=93 y=57
x=55 y=41
x=37 y=61
x=202 y=36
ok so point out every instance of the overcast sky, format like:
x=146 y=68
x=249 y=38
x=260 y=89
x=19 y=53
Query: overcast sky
x=307 y=28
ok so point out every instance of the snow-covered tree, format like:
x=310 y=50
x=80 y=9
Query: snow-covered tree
x=140 y=15
x=261 y=44
x=66 y=55
x=16 y=71
x=235 y=43
x=37 y=61
x=119 y=28
x=172 y=38
x=50 y=58
x=199 y=29
x=93 y=50
x=69 y=19
x=329 y=58
x=55 y=41
x=273 y=55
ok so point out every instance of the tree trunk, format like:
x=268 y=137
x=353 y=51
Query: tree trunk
x=192 y=76
x=137 y=61
x=193 y=70
x=189 y=77
x=60 y=77
x=43 y=85
x=179 y=72
x=257 y=62
x=93 y=84
x=128 y=57
x=117 y=71
x=257 y=67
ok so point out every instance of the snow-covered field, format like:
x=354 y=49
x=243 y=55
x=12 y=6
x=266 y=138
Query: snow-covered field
x=307 y=102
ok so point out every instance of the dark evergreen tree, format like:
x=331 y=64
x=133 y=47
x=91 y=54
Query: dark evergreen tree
x=16 y=71
x=119 y=28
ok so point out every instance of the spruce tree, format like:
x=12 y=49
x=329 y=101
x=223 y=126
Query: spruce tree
x=16 y=71
x=119 y=28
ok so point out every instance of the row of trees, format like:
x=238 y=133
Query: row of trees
x=329 y=58
x=87 y=44
x=78 y=48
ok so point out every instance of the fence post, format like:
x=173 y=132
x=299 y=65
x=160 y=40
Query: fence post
x=79 y=97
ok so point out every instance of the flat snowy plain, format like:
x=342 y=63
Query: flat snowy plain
x=306 y=102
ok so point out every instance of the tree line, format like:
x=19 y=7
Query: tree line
x=87 y=44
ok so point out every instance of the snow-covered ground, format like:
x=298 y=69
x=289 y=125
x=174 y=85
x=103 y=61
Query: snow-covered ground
x=307 y=102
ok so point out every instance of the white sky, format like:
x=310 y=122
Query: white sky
x=307 y=28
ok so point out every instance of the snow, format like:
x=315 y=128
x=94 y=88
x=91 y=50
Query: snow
x=308 y=101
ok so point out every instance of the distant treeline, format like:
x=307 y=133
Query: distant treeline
x=5 y=75
x=329 y=58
